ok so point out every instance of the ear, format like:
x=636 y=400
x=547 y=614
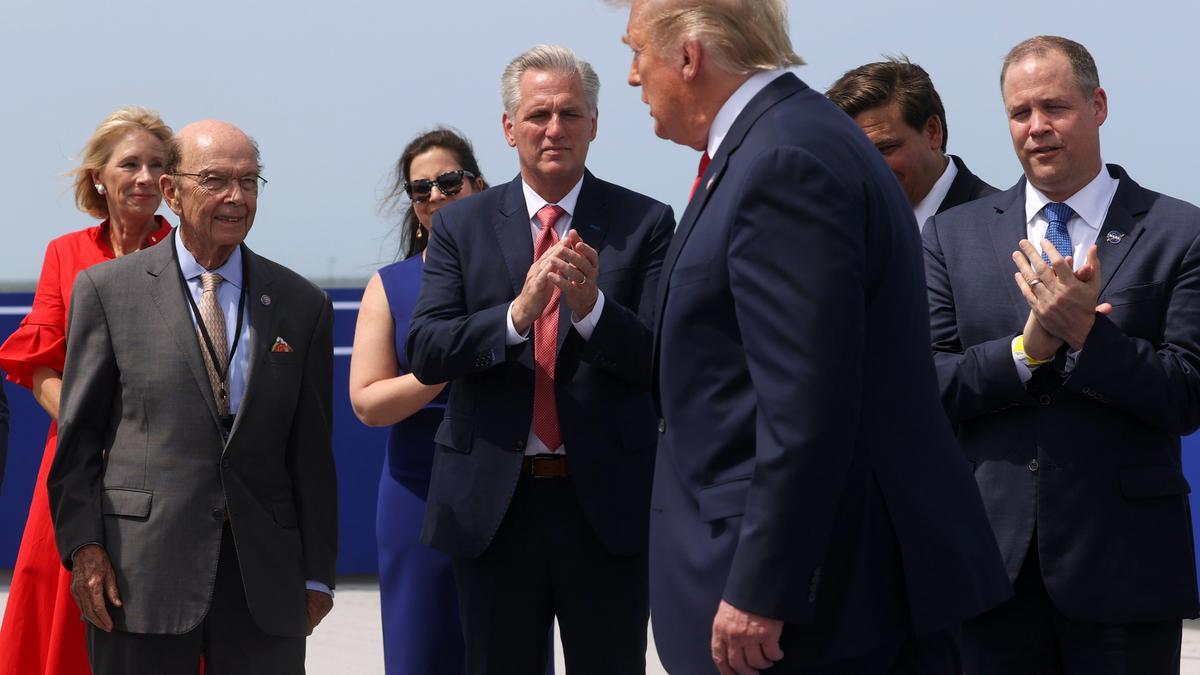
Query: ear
x=693 y=59
x=934 y=133
x=595 y=123
x=166 y=185
x=507 y=123
x=95 y=176
x=1099 y=105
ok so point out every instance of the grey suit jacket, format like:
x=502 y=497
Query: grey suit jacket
x=142 y=468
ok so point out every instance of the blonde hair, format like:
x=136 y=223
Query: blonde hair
x=98 y=150
x=741 y=36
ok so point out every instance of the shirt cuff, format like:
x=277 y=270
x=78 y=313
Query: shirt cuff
x=318 y=586
x=587 y=324
x=511 y=336
x=1023 y=370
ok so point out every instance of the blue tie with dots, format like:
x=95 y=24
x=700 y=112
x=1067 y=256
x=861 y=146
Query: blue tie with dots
x=1058 y=214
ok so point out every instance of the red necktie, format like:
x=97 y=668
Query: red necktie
x=699 y=174
x=545 y=341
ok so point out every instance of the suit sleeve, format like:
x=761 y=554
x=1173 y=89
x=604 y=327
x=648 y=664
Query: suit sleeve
x=622 y=342
x=3 y=435
x=310 y=454
x=90 y=387
x=445 y=340
x=1157 y=383
x=980 y=379
x=797 y=278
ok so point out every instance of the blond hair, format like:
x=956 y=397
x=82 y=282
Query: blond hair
x=98 y=150
x=741 y=36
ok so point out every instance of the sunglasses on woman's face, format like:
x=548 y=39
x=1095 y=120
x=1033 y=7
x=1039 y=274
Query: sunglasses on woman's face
x=449 y=183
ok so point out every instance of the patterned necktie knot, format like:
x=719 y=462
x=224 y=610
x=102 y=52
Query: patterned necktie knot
x=1058 y=215
x=549 y=214
x=209 y=281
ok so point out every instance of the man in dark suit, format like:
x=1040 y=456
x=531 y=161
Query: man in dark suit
x=3 y=432
x=536 y=301
x=896 y=105
x=193 y=488
x=1071 y=383
x=808 y=491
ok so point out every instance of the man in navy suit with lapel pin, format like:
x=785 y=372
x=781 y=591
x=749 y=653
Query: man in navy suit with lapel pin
x=536 y=301
x=1066 y=331
x=811 y=511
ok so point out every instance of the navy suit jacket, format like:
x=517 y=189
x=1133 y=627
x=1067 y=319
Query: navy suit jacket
x=803 y=451
x=965 y=187
x=478 y=256
x=1088 y=451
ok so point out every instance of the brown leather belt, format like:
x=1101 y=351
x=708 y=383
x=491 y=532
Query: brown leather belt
x=545 y=466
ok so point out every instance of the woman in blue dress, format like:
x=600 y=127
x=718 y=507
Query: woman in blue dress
x=421 y=629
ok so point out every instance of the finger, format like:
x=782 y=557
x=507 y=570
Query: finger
x=1032 y=255
x=772 y=650
x=589 y=253
x=110 y=588
x=1092 y=259
x=1104 y=308
x=720 y=656
x=1023 y=266
x=755 y=657
x=1059 y=265
x=1026 y=290
x=737 y=661
x=99 y=612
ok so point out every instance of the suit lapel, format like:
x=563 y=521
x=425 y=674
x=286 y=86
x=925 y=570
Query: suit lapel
x=1009 y=228
x=1122 y=223
x=514 y=235
x=263 y=324
x=166 y=291
x=591 y=222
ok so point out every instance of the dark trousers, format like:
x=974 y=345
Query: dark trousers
x=936 y=654
x=1028 y=634
x=545 y=561
x=230 y=641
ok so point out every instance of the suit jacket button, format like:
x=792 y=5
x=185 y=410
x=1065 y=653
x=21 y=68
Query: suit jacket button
x=1033 y=466
x=662 y=426
x=218 y=514
x=1044 y=399
x=225 y=464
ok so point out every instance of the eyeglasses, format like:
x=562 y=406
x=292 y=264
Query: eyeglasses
x=449 y=183
x=217 y=184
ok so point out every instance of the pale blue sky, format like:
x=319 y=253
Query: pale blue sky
x=333 y=91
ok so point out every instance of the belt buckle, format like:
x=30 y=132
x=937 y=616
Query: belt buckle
x=538 y=461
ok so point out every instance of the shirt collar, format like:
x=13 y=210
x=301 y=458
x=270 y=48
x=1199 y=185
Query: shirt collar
x=231 y=271
x=929 y=205
x=534 y=201
x=735 y=104
x=1090 y=203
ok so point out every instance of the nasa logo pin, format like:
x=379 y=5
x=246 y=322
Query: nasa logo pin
x=1114 y=237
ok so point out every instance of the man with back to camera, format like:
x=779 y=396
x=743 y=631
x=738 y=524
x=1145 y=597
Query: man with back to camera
x=536 y=301
x=811 y=510
x=193 y=487
x=1066 y=331
x=896 y=105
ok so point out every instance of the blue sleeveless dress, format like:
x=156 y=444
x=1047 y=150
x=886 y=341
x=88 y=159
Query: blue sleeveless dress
x=421 y=629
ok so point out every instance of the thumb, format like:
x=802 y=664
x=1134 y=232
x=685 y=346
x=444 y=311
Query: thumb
x=1104 y=308
x=110 y=588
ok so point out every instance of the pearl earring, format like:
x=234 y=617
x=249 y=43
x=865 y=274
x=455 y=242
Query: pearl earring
x=99 y=188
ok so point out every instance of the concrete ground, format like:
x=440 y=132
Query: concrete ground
x=348 y=641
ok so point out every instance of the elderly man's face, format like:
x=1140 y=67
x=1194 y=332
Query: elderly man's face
x=214 y=219
x=659 y=73
x=915 y=156
x=551 y=128
x=1055 y=126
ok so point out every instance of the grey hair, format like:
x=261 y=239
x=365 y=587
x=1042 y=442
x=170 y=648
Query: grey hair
x=554 y=58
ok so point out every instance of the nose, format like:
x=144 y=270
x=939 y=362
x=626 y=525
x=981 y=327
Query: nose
x=145 y=175
x=554 y=129
x=634 y=79
x=234 y=194
x=1039 y=123
x=436 y=194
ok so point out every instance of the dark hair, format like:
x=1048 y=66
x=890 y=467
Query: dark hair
x=1087 y=78
x=897 y=79
x=413 y=237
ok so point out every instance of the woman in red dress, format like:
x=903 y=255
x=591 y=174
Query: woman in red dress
x=42 y=632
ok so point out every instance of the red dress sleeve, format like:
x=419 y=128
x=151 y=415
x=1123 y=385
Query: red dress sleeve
x=40 y=340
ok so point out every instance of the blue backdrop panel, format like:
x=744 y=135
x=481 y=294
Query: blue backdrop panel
x=357 y=448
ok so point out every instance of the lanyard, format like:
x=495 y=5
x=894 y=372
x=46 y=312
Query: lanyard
x=222 y=373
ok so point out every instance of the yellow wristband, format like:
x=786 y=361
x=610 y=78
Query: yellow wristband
x=1019 y=348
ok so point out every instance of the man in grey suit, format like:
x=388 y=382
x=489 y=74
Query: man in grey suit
x=193 y=489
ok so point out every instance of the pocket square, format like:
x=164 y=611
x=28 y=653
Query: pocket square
x=281 y=345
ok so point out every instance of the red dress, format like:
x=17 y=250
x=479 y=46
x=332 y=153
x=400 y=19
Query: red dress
x=43 y=633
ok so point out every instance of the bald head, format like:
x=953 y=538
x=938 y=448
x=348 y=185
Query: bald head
x=212 y=183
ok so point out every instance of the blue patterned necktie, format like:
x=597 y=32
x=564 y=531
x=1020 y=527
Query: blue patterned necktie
x=1058 y=215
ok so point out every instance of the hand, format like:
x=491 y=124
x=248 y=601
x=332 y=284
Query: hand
x=92 y=582
x=1039 y=343
x=538 y=289
x=1063 y=301
x=744 y=643
x=318 y=605
x=577 y=278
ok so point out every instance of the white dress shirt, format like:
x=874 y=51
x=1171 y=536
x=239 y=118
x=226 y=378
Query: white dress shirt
x=584 y=326
x=1090 y=205
x=735 y=104
x=933 y=201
